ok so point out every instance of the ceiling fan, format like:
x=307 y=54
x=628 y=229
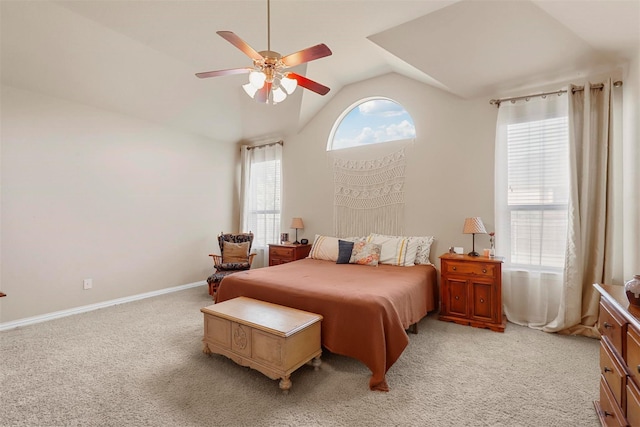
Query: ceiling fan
x=269 y=82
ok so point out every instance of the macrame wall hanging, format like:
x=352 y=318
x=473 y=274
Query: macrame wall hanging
x=369 y=196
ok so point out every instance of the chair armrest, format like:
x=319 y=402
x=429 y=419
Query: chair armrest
x=251 y=257
x=217 y=259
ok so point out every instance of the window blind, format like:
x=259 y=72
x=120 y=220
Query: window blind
x=265 y=202
x=538 y=191
x=262 y=193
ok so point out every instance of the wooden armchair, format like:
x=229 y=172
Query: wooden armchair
x=235 y=255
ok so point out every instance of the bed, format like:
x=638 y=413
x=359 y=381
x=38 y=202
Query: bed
x=366 y=309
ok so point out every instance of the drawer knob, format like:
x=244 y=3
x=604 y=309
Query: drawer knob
x=607 y=369
x=484 y=270
x=482 y=300
x=457 y=298
x=608 y=414
x=607 y=325
x=455 y=268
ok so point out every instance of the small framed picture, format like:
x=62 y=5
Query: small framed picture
x=284 y=237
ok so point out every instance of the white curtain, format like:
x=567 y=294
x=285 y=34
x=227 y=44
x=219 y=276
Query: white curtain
x=261 y=196
x=546 y=297
x=531 y=283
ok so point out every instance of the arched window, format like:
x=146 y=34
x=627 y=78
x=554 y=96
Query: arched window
x=371 y=121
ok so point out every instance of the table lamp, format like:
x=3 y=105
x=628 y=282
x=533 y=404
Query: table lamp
x=473 y=226
x=297 y=224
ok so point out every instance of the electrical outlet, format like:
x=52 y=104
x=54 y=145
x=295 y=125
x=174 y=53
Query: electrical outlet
x=87 y=283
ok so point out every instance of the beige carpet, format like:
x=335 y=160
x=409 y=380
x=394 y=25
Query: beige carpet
x=140 y=364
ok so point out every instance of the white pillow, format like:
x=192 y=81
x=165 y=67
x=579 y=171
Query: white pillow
x=324 y=247
x=424 y=249
x=396 y=250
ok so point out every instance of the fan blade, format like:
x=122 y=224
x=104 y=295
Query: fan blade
x=305 y=55
x=224 y=72
x=240 y=44
x=309 y=84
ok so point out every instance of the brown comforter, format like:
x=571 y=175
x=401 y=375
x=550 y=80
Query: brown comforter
x=366 y=309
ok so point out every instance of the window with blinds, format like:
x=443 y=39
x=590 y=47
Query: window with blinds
x=265 y=201
x=538 y=191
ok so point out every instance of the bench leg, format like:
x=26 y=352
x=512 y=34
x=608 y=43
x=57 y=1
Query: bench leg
x=316 y=362
x=205 y=348
x=285 y=384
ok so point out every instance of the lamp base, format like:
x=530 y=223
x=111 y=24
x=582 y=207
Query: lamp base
x=296 y=243
x=473 y=253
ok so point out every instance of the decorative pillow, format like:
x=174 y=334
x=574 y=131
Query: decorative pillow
x=235 y=252
x=365 y=254
x=424 y=249
x=324 y=247
x=354 y=239
x=396 y=250
x=344 y=251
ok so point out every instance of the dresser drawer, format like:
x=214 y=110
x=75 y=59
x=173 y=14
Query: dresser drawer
x=633 y=405
x=633 y=353
x=474 y=268
x=611 y=413
x=612 y=326
x=612 y=372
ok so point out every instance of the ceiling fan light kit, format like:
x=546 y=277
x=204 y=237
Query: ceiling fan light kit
x=269 y=83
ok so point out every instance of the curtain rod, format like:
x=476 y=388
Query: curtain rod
x=251 y=147
x=497 y=102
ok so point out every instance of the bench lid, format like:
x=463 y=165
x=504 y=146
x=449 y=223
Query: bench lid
x=277 y=319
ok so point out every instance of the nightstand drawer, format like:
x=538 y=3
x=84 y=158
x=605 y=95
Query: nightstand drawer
x=478 y=269
x=281 y=252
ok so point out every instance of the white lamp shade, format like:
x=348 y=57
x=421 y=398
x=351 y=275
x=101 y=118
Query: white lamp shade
x=278 y=95
x=257 y=79
x=473 y=225
x=250 y=89
x=289 y=84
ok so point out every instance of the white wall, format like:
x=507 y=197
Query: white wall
x=88 y=193
x=449 y=167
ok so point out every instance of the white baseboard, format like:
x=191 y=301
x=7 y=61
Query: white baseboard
x=77 y=310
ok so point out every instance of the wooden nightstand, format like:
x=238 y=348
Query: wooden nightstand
x=280 y=254
x=471 y=291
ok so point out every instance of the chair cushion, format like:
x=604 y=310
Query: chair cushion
x=231 y=266
x=219 y=275
x=235 y=252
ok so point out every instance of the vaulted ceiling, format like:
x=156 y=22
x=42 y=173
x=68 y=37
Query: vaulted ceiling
x=139 y=57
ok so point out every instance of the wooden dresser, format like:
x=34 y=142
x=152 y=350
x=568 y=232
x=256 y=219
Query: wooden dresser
x=280 y=254
x=471 y=291
x=619 y=324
